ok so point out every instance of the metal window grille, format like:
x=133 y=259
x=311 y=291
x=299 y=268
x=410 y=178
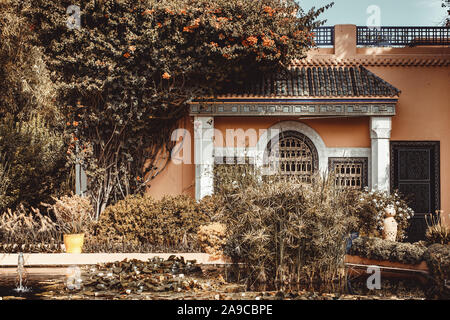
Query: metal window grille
x=324 y=36
x=402 y=36
x=293 y=158
x=350 y=173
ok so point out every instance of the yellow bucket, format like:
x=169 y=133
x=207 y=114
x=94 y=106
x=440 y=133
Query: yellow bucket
x=73 y=242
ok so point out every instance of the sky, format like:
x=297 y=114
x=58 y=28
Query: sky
x=391 y=12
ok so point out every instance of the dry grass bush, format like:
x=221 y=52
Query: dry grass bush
x=22 y=228
x=73 y=214
x=379 y=249
x=141 y=222
x=212 y=239
x=287 y=231
x=437 y=231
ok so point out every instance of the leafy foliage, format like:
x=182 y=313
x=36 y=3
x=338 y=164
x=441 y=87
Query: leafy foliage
x=24 y=78
x=438 y=261
x=127 y=75
x=139 y=219
x=384 y=250
x=35 y=159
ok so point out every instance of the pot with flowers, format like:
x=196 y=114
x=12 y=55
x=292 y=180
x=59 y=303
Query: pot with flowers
x=383 y=215
x=74 y=216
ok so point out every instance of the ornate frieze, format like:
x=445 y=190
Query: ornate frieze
x=374 y=109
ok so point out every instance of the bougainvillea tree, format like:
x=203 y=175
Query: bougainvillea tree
x=127 y=72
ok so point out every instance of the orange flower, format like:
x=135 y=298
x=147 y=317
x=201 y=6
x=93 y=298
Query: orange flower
x=221 y=36
x=75 y=139
x=269 y=10
x=166 y=76
x=68 y=123
x=252 y=40
x=267 y=42
x=183 y=12
x=132 y=48
x=226 y=56
x=284 y=39
x=146 y=12
x=127 y=55
x=159 y=24
x=75 y=123
x=138 y=178
x=214 y=44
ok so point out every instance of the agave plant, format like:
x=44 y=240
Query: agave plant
x=437 y=232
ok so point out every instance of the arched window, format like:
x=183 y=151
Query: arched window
x=292 y=154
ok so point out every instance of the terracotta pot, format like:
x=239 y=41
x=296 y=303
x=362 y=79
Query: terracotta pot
x=73 y=242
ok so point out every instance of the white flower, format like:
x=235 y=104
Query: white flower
x=397 y=203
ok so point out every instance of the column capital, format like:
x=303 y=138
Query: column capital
x=380 y=127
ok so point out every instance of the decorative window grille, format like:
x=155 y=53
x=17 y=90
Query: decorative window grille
x=293 y=156
x=402 y=36
x=350 y=173
x=228 y=169
x=324 y=36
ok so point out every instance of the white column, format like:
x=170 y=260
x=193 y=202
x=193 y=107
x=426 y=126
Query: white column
x=380 y=133
x=204 y=156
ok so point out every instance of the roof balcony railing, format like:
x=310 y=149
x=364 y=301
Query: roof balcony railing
x=389 y=36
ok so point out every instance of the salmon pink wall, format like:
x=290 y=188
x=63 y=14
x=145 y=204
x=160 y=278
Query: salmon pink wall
x=423 y=113
x=176 y=179
x=343 y=132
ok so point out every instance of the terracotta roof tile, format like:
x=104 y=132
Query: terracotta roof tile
x=321 y=81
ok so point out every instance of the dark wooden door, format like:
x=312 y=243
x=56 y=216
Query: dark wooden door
x=415 y=173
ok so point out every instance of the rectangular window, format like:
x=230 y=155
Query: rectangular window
x=229 y=169
x=350 y=173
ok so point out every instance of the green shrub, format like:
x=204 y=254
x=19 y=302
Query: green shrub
x=438 y=261
x=35 y=158
x=141 y=220
x=384 y=250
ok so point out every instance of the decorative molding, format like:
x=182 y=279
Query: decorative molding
x=382 y=60
x=373 y=109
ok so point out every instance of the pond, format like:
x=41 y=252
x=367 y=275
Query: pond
x=158 y=279
x=34 y=282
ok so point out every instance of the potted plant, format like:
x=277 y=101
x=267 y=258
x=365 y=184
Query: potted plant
x=74 y=215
